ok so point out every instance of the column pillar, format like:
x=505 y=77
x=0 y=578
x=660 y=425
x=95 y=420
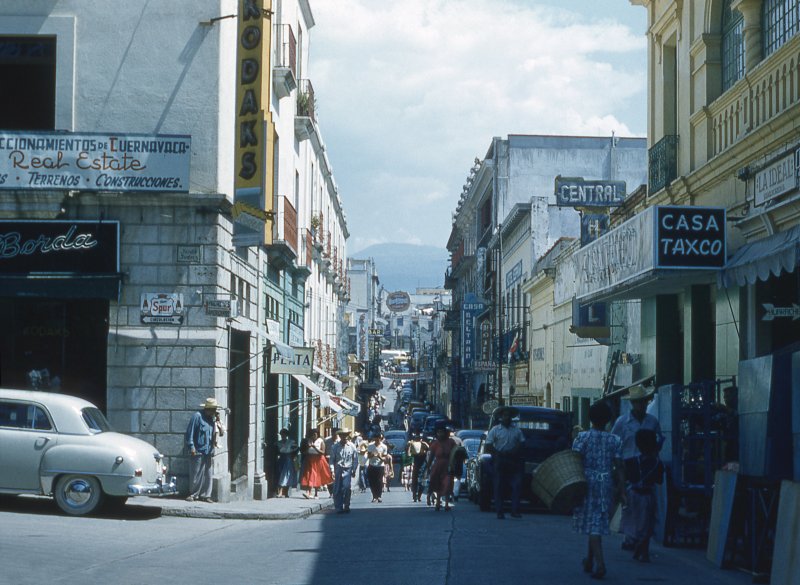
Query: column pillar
x=751 y=11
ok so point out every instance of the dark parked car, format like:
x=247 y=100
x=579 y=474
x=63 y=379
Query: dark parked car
x=547 y=431
x=470 y=434
x=429 y=427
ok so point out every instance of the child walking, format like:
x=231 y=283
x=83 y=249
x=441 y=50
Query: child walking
x=642 y=474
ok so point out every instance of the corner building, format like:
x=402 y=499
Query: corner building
x=121 y=277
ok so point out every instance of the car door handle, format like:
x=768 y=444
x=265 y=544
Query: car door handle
x=41 y=442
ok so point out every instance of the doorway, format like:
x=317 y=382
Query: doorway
x=239 y=403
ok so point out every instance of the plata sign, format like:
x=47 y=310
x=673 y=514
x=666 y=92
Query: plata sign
x=578 y=192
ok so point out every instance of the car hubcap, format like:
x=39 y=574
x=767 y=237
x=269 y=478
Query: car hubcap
x=77 y=493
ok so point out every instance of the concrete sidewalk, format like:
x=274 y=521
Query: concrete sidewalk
x=291 y=508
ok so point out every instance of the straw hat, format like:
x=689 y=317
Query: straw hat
x=210 y=403
x=343 y=431
x=639 y=392
x=502 y=409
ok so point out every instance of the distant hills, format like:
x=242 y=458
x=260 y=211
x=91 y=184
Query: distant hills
x=407 y=266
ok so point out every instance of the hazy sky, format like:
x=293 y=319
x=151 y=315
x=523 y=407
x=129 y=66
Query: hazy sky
x=409 y=92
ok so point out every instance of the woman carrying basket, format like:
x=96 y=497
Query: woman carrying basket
x=601 y=453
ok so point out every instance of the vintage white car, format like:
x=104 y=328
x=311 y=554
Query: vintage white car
x=60 y=445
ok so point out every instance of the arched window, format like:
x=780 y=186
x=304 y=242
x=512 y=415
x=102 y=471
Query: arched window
x=781 y=21
x=732 y=46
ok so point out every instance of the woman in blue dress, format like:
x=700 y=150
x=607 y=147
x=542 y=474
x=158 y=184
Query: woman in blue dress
x=287 y=472
x=602 y=462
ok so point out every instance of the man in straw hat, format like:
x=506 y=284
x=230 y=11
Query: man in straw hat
x=200 y=440
x=626 y=427
x=344 y=457
x=504 y=442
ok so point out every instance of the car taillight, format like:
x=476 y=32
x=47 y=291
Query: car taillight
x=138 y=473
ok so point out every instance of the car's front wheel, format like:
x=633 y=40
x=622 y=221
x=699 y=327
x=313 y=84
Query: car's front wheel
x=78 y=495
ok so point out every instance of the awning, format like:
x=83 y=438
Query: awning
x=760 y=259
x=324 y=395
x=61 y=286
x=283 y=348
x=336 y=382
x=351 y=407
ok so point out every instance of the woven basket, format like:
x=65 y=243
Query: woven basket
x=559 y=481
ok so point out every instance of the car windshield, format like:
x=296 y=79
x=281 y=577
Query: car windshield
x=471 y=445
x=95 y=420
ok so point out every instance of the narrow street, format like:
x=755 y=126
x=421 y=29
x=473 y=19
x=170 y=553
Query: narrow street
x=393 y=543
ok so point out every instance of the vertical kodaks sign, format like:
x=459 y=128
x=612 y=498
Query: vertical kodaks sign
x=252 y=211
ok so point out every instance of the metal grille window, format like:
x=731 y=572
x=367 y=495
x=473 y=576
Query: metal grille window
x=780 y=21
x=732 y=46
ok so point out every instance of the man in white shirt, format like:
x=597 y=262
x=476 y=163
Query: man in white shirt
x=504 y=442
x=625 y=428
x=344 y=457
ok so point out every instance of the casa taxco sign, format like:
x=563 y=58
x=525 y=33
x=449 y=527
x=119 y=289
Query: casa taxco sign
x=662 y=237
x=94 y=162
x=301 y=363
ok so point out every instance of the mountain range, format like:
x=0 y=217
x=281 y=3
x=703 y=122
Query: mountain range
x=407 y=266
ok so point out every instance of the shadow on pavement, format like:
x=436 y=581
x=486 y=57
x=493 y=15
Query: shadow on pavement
x=41 y=505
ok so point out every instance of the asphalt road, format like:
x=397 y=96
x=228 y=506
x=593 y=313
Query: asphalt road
x=396 y=542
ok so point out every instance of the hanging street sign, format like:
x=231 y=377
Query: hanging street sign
x=773 y=312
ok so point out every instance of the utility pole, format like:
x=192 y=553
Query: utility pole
x=499 y=304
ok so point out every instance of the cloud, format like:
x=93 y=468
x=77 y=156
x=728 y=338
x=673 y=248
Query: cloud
x=410 y=92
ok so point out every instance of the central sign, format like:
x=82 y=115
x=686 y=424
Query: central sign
x=578 y=192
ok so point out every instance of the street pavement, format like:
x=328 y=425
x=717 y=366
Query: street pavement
x=296 y=541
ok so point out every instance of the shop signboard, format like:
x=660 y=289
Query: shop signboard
x=662 y=237
x=161 y=308
x=776 y=179
x=94 y=162
x=299 y=364
x=471 y=307
x=222 y=308
x=252 y=210
x=28 y=246
x=398 y=301
x=578 y=192
x=690 y=237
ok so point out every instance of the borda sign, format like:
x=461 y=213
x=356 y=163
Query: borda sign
x=690 y=237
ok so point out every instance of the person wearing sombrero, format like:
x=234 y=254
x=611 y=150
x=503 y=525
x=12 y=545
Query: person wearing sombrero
x=201 y=436
x=626 y=427
x=344 y=457
x=504 y=442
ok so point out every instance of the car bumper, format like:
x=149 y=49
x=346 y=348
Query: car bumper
x=160 y=488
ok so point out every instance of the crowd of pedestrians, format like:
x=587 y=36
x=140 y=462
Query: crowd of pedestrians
x=621 y=466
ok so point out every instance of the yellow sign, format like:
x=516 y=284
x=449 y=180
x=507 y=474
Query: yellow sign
x=252 y=99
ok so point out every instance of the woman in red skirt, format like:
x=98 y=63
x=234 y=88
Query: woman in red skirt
x=316 y=469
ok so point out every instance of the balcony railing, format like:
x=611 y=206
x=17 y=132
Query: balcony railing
x=285 y=48
x=308 y=245
x=306 y=106
x=771 y=88
x=663 y=163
